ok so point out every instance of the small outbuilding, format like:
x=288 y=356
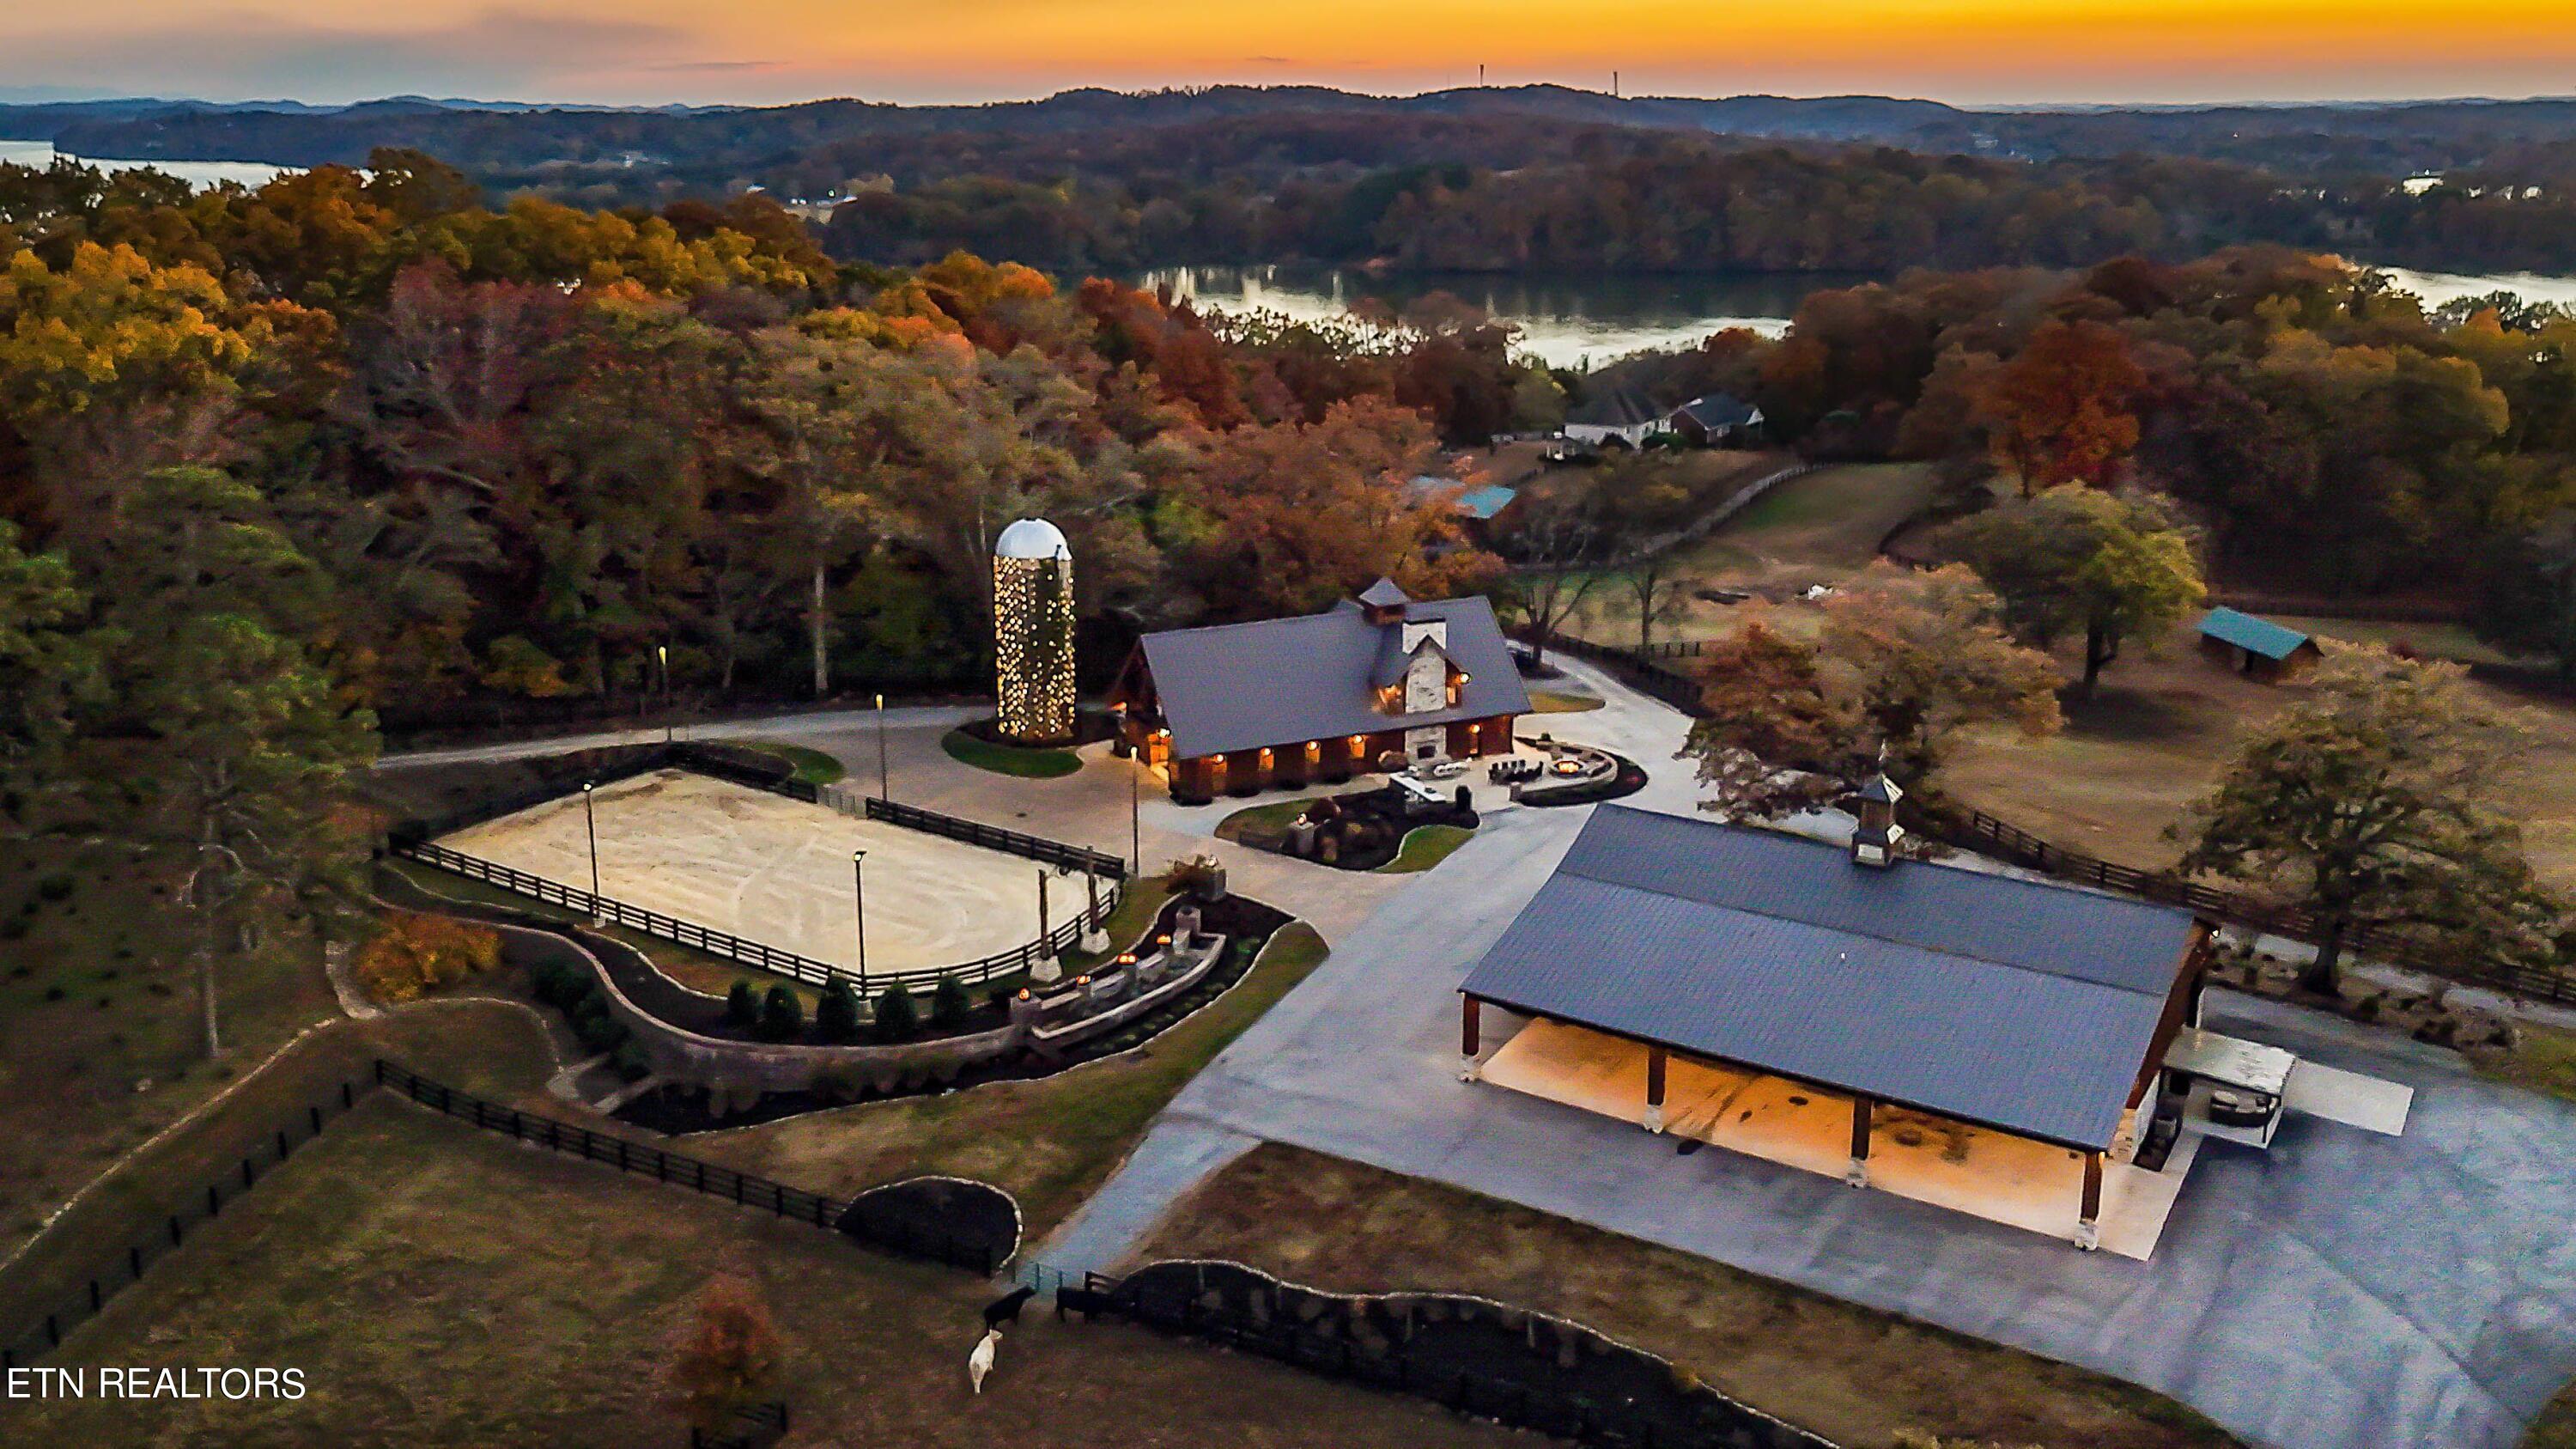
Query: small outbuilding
x=2256 y=648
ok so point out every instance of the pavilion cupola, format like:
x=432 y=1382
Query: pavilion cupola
x=1383 y=602
x=1875 y=841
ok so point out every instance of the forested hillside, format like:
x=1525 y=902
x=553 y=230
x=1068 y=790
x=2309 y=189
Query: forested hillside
x=1499 y=180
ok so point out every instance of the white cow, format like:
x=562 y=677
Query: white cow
x=980 y=1362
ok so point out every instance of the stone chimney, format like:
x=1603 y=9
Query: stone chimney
x=1875 y=842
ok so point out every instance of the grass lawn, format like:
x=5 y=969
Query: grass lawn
x=1551 y=701
x=1426 y=847
x=2161 y=730
x=1136 y=909
x=1816 y=529
x=2544 y=1062
x=440 y=1286
x=1852 y=1374
x=1263 y=822
x=1008 y=760
x=812 y=765
x=101 y=1036
x=1050 y=1142
x=488 y=1047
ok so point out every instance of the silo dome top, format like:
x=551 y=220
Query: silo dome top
x=1031 y=538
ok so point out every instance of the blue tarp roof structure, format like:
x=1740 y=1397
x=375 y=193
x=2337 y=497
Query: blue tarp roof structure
x=1478 y=503
x=2017 y=1004
x=2245 y=631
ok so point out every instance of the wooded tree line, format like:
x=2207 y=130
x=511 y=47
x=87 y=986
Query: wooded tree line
x=1651 y=202
x=2328 y=434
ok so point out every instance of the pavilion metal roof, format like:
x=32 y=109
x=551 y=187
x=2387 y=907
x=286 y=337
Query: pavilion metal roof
x=2018 y=1004
x=1311 y=677
x=2245 y=631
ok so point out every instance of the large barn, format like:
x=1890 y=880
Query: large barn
x=1375 y=682
x=1822 y=999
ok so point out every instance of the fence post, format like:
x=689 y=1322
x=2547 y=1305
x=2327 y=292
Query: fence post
x=134 y=1260
x=316 y=1114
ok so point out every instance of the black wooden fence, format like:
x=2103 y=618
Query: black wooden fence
x=754 y=1426
x=1291 y=1338
x=416 y=840
x=116 y=1272
x=696 y=1174
x=1973 y=829
x=993 y=837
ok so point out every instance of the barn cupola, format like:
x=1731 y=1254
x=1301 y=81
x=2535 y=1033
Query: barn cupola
x=1876 y=839
x=1383 y=602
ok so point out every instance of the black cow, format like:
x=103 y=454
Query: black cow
x=1006 y=1309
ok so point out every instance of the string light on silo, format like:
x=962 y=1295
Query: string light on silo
x=1033 y=654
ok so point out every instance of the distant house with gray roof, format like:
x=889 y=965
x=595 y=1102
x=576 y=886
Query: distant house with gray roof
x=1383 y=679
x=2019 y=1006
x=2255 y=647
x=1718 y=419
x=1620 y=413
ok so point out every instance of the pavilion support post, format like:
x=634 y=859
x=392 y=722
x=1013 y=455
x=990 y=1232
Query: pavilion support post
x=1470 y=1039
x=1655 y=1089
x=2088 y=1230
x=1862 y=1110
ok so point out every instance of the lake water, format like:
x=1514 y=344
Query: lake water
x=1568 y=321
x=1584 y=321
x=195 y=173
x=2437 y=288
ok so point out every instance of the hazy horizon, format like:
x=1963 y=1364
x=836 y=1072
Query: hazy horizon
x=1976 y=53
x=73 y=95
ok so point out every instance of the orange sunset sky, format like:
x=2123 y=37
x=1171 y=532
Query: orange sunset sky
x=644 y=51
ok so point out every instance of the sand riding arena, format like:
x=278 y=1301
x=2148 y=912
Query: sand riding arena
x=777 y=871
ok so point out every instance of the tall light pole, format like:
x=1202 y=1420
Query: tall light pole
x=881 y=751
x=859 y=893
x=662 y=656
x=590 y=830
x=1135 y=763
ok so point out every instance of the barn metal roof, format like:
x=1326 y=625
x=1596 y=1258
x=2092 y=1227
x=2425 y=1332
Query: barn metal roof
x=2272 y=641
x=2018 y=1004
x=1282 y=681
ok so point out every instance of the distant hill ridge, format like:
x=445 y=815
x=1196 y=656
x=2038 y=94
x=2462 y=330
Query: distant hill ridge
x=513 y=137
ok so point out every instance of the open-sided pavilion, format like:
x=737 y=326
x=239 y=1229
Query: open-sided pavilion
x=1993 y=1039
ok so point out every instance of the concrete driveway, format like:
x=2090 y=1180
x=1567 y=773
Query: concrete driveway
x=2344 y=1291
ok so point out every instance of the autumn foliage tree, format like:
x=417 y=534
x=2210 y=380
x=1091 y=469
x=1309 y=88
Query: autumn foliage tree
x=1287 y=518
x=2375 y=801
x=2063 y=409
x=2079 y=560
x=1903 y=665
x=416 y=953
x=727 y=1353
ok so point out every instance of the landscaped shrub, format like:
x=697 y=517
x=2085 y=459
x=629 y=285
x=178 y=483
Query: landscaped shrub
x=781 y=1017
x=742 y=1005
x=598 y=1030
x=836 y=1017
x=631 y=1061
x=950 y=1005
x=417 y=953
x=559 y=984
x=897 y=1017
